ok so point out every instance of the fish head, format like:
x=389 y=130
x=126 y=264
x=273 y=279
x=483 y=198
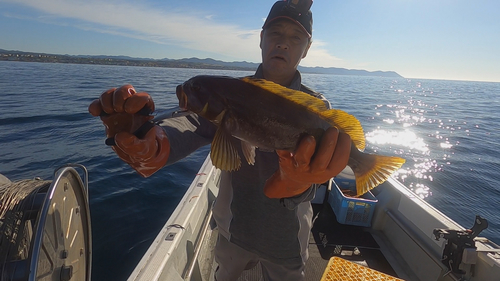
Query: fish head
x=200 y=95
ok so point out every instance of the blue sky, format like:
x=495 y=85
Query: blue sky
x=436 y=39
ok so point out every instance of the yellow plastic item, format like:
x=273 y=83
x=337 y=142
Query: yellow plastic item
x=339 y=269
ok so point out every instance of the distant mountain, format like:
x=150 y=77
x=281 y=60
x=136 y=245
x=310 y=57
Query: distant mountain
x=344 y=71
x=110 y=57
x=208 y=63
x=239 y=64
x=316 y=70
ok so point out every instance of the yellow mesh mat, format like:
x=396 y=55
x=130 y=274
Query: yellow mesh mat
x=339 y=269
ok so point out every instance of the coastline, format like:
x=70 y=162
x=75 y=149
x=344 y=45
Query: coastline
x=194 y=63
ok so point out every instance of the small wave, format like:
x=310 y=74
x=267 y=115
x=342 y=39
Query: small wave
x=42 y=118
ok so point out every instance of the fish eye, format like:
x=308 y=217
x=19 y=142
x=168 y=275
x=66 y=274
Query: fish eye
x=195 y=87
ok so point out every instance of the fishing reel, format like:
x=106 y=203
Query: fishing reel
x=45 y=228
x=460 y=247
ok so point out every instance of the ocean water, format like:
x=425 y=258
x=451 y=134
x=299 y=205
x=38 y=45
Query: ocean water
x=447 y=130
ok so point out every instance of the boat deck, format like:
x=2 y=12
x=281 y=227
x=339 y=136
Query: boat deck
x=328 y=238
x=353 y=243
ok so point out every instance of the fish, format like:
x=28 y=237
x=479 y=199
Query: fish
x=265 y=115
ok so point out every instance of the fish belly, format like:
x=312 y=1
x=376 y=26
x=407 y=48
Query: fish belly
x=275 y=131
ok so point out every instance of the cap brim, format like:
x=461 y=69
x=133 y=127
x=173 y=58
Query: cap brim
x=288 y=18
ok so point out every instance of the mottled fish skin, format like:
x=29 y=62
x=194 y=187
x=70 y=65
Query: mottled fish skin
x=266 y=115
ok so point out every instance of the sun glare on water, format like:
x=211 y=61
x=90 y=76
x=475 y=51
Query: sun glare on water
x=406 y=138
x=405 y=143
x=408 y=128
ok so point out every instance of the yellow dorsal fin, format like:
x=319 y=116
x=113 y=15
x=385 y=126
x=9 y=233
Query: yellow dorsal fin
x=337 y=118
x=306 y=100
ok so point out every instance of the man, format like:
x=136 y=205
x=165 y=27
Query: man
x=268 y=227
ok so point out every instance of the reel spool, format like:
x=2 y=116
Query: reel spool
x=45 y=228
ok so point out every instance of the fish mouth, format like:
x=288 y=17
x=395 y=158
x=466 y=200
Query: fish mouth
x=181 y=95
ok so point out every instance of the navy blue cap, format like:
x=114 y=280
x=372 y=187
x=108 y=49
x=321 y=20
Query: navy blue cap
x=297 y=11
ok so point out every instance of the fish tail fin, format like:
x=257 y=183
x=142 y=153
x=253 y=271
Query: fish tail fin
x=371 y=170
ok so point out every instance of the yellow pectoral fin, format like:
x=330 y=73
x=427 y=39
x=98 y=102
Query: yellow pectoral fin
x=347 y=123
x=223 y=153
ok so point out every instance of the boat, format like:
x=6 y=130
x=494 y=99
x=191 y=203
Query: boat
x=387 y=234
x=397 y=236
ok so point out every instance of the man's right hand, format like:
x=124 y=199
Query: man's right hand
x=123 y=111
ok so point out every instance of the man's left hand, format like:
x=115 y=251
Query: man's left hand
x=300 y=169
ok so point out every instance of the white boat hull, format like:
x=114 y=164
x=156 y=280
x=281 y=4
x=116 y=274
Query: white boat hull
x=402 y=225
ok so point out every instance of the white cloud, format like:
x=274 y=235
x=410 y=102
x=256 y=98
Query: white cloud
x=192 y=30
x=318 y=55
